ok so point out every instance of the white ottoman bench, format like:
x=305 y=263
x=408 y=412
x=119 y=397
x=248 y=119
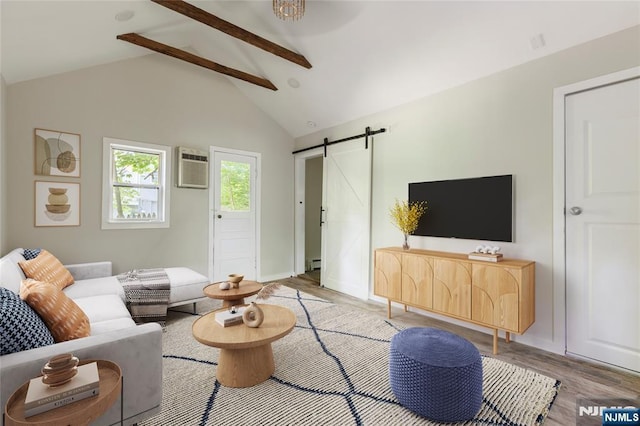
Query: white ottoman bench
x=186 y=286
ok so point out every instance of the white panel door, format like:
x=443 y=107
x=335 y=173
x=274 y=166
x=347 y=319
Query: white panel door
x=234 y=215
x=346 y=196
x=603 y=224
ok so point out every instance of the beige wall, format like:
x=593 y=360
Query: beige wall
x=501 y=124
x=150 y=99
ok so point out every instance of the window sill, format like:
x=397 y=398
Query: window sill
x=135 y=225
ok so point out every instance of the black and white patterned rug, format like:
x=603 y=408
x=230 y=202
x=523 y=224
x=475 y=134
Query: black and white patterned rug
x=332 y=369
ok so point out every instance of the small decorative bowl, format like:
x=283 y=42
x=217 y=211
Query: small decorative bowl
x=235 y=279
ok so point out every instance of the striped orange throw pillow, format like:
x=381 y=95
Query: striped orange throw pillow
x=46 y=267
x=63 y=317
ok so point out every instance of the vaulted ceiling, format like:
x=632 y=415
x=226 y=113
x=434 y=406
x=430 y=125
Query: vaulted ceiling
x=366 y=56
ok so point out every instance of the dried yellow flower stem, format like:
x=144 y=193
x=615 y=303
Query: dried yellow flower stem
x=405 y=215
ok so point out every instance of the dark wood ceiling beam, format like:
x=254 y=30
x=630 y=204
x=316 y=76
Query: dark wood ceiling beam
x=194 y=59
x=213 y=21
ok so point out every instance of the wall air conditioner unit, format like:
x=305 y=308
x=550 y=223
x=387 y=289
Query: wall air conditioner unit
x=193 y=168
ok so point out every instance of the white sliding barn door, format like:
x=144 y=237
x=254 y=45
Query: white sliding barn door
x=603 y=223
x=346 y=230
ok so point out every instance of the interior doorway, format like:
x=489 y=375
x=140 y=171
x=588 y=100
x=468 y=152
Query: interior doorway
x=306 y=219
x=313 y=219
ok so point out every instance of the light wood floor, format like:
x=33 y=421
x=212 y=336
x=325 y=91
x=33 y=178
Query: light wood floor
x=580 y=379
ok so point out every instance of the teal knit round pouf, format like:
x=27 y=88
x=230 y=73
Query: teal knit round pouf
x=436 y=374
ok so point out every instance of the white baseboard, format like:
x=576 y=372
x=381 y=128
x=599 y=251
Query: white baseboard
x=275 y=277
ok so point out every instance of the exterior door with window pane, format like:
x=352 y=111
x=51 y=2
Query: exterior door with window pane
x=234 y=215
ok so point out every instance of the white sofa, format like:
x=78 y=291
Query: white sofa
x=137 y=349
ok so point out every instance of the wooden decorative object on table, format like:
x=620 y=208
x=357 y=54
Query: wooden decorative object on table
x=59 y=370
x=253 y=315
x=235 y=279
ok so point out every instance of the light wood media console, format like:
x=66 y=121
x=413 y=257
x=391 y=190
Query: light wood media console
x=498 y=295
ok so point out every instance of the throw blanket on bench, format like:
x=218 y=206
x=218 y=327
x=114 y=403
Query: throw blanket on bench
x=147 y=294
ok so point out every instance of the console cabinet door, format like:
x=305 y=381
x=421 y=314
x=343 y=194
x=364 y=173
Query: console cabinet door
x=496 y=294
x=452 y=287
x=388 y=275
x=417 y=278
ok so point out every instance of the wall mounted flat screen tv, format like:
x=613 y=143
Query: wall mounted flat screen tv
x=475 y=209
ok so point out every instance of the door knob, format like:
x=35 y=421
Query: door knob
x=219 y=216
x=575 y=211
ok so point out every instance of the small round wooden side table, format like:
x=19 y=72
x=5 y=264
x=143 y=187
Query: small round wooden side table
x=246 y=356
x=81 y=412
x=233 y=296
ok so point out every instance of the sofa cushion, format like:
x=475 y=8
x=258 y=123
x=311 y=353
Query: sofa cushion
x=63 y=316
x=103 y=308
x=95 y=287
x=21 y=328
x=46 y=267
x=29 y=254
x=102 y=327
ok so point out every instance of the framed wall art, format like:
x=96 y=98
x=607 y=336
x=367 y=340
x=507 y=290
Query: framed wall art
x=57 y=153
x=57 y=204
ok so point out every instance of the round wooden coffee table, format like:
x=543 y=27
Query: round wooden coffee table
x=246 y=356
x=233 y=296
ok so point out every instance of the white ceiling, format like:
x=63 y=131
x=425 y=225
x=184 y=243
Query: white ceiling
x=367 y=56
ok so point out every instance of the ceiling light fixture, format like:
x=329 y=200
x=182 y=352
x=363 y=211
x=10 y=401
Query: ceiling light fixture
x=288 y=9
x=293 y=83
x=125 y=15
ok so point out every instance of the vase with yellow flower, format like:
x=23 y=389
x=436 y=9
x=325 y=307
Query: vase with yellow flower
x=405 y=216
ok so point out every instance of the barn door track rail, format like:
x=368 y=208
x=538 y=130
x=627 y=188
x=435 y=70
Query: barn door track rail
x=367 y=132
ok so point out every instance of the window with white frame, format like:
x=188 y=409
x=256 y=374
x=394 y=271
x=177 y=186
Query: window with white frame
x=136 y=182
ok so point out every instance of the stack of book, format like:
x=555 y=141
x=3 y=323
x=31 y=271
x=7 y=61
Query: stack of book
x=487 y=257
x=41 y=397
x=231 y=317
